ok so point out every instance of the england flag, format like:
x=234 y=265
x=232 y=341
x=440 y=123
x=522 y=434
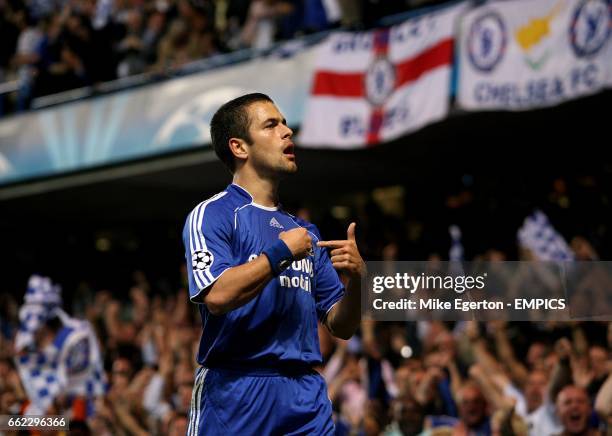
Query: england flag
x=372 y=87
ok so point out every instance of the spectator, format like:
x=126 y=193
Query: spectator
x=473 y=417
x=407 y=415
x=260 y=27
x=174 y=47
x=9 y=33
x=603 y=402
x=199 y=17
x=153 y=32
x=131 y=47
x=26 y=56
x=54 y=74
x=574 y=410
x=235 y=19
x=178 y=425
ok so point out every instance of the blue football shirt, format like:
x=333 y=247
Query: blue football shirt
x=277 y=328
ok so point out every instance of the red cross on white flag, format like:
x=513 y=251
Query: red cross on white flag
x=372 y=87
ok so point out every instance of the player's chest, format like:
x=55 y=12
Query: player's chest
x=259 y=229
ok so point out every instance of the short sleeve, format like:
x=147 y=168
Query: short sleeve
x=328 y=289
x=207 y=237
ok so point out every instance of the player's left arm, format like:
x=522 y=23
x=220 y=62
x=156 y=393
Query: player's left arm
x=344 y=317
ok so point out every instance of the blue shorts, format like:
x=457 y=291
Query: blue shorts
x=229 y=403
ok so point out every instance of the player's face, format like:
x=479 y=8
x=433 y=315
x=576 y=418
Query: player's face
x=272 y=152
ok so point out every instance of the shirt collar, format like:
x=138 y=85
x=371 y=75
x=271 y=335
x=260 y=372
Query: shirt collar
x=247 y=195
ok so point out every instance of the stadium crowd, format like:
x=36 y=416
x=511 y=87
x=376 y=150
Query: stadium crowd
x=393 y=378
x=429 y=378
x=50 y=46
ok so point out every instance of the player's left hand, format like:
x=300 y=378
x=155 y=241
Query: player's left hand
x=345 y=256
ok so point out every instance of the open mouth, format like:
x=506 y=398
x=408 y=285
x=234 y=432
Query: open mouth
x=289 y=151
x=575 y=419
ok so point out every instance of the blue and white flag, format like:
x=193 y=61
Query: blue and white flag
x=70 y=365
x=40 y=299
x=541 y=238
x=42 y=291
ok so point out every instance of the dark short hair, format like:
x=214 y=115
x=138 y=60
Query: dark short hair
x=232 y=121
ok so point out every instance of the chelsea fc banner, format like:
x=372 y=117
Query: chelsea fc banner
x=526 y=54
x=372 y=87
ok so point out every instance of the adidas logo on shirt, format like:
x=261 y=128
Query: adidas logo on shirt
x=275 y=223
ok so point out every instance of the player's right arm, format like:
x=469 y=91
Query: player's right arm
x=240 y=284
x=214 y=279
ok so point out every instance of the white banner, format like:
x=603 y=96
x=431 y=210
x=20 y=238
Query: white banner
x=372 y=87
x=526 y=54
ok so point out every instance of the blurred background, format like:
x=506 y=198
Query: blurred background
x=104 y=150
